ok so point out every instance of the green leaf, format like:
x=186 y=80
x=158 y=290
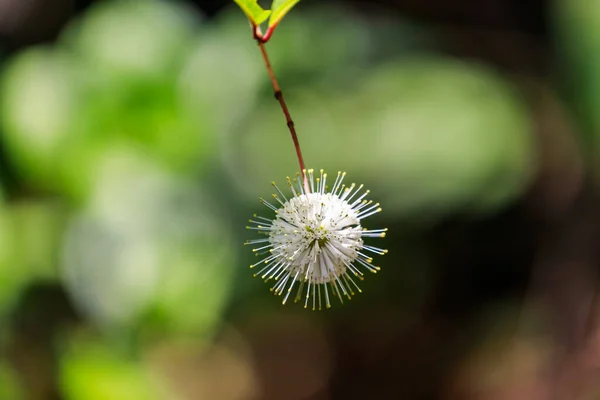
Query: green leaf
x=253 y=11
x=279 y=9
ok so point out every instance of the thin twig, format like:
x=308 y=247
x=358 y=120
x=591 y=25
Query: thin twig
x=261 y=40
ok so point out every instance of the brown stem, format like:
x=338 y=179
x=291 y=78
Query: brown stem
x=261 y=40
x=265 y=38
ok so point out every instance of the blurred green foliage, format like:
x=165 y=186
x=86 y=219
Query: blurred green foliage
x=166 y=260
x=95 y=371
x=113 y=78
x=9 y=384
x=578 y=37
x=149 y=134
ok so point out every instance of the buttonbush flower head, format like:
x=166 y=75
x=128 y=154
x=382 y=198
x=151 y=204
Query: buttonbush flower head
x=316 y=241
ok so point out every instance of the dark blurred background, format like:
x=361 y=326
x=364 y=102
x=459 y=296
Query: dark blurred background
x=136 y=137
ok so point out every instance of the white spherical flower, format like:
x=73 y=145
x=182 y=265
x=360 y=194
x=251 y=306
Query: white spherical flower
x=316 y=239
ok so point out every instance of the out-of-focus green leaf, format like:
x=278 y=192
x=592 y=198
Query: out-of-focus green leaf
x=129 y=39
x=577 y=23
x=37 y=228
x=429 y=136
x=255 y=13
x=141 y=115
x=279 y=9
x=453 y=136
x=149 y=248
x=41 y=89
x=30 y=237
x=218 y=55
x=9 y=386
x=11 y=279
x=114 y=80
x=60 y=116
x=93 y=371
x=322 y=44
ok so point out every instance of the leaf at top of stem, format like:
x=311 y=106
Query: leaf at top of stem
x=279 y=9
x=254 y=11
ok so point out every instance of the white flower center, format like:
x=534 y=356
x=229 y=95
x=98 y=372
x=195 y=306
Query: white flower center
x=317 y=235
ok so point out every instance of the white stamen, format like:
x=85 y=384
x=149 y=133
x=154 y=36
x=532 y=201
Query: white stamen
x=316 y=239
